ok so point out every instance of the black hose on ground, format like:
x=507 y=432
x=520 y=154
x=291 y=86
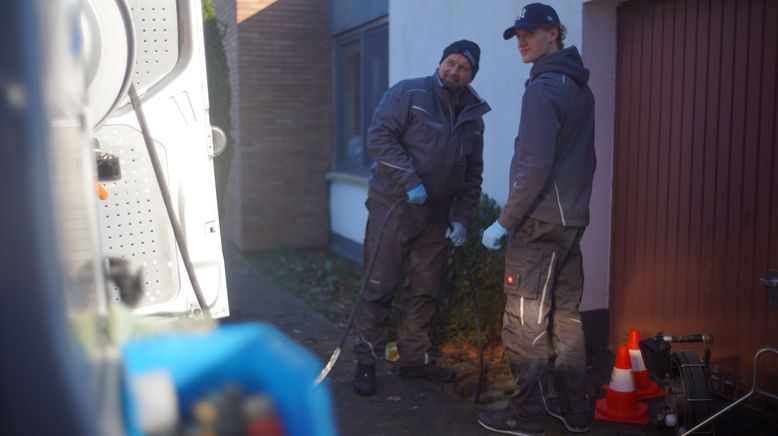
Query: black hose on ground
x=371 y=264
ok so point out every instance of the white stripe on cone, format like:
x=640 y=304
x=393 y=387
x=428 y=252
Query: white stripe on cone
x=621 y=380
x=637 y=361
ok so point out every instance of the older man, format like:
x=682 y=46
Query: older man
x=426 y=138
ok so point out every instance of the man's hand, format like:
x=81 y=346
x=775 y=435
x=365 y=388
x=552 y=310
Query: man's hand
x=457 y=233
x=492 y=236
x=417 y=195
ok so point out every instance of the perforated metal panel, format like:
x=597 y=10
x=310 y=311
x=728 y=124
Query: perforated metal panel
x=133 y=219
x=156 y=36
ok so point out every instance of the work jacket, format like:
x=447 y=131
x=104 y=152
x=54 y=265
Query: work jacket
x=415 y=137
x=553 y=162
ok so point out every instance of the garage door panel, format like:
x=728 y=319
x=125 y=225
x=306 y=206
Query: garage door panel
x=708 y=261
x=767 y=197
x=620 y=136
x=737 y=244
x=721 y=298
x=750 y=261
x=654 y=209
x=685 y=69
x=695 y=195
x=629 y=66
x=673 y=232
x=697 y=70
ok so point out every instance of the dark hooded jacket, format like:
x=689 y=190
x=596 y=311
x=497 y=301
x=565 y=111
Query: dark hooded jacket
x=553 y=161
x=415 y=137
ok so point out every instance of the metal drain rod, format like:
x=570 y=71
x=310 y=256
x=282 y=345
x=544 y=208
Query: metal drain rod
x=179 y=235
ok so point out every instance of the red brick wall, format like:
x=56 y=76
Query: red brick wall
x=279 y=194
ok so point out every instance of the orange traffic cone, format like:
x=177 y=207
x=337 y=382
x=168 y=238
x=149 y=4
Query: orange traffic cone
x=621 y=401
x=644 y=386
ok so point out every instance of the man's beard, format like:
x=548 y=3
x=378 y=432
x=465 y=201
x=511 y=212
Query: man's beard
x=452 y=87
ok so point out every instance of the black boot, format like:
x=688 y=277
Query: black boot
x=364 y=380
x=429 y=372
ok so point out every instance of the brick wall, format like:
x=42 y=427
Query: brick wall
x=278 y=191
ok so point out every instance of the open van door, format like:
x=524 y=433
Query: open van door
x=63 y=106
x=157 y=47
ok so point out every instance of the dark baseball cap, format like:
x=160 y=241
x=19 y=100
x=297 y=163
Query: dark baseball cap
x=532 y=17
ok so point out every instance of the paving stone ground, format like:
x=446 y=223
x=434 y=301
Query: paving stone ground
x=412 y=407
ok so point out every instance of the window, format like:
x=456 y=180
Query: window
x=361 y=78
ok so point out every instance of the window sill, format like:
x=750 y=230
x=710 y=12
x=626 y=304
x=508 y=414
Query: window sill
x=348 y=178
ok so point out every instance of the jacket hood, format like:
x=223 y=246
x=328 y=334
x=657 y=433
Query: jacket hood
x=566 y=61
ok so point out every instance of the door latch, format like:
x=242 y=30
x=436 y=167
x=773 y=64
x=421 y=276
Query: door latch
x=771 y=282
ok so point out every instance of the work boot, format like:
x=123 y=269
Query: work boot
x=364 y=380
x=573 y=423
x=429 y=372
x=507 y=422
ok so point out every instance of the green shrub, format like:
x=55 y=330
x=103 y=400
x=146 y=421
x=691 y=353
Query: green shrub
x=209 y=10
x=456 y=317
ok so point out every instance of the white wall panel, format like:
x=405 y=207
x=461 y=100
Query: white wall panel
x=348 y=214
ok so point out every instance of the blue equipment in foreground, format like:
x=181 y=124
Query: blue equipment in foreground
x=257 y=357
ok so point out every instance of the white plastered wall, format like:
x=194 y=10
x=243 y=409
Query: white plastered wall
x=348 y=215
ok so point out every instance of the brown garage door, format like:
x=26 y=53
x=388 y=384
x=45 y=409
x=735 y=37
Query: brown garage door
x=695 y=182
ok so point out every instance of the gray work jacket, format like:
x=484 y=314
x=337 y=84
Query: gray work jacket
x=415 y=137
x=553 y=162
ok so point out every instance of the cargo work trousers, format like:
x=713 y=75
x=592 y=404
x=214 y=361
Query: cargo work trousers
x=544 y=284
x=415 y=233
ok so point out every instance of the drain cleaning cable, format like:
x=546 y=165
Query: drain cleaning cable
x=177 y=232
x=477 y=315
x=476 y=310
x=335 y=354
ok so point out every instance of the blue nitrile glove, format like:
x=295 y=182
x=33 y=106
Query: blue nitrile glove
x=457 y=233
x=417 y=195
x=492 y=236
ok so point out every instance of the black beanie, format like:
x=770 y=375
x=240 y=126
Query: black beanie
x=466 y=48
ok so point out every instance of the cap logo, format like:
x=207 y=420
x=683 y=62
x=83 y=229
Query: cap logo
x=470 y=58
x=521 y=14
x=549 y=18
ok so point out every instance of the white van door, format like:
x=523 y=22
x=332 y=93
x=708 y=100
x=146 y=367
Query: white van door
x=157 y=47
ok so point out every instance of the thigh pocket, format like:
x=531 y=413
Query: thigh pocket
x=523 y=272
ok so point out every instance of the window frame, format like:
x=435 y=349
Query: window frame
x=341 y=163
